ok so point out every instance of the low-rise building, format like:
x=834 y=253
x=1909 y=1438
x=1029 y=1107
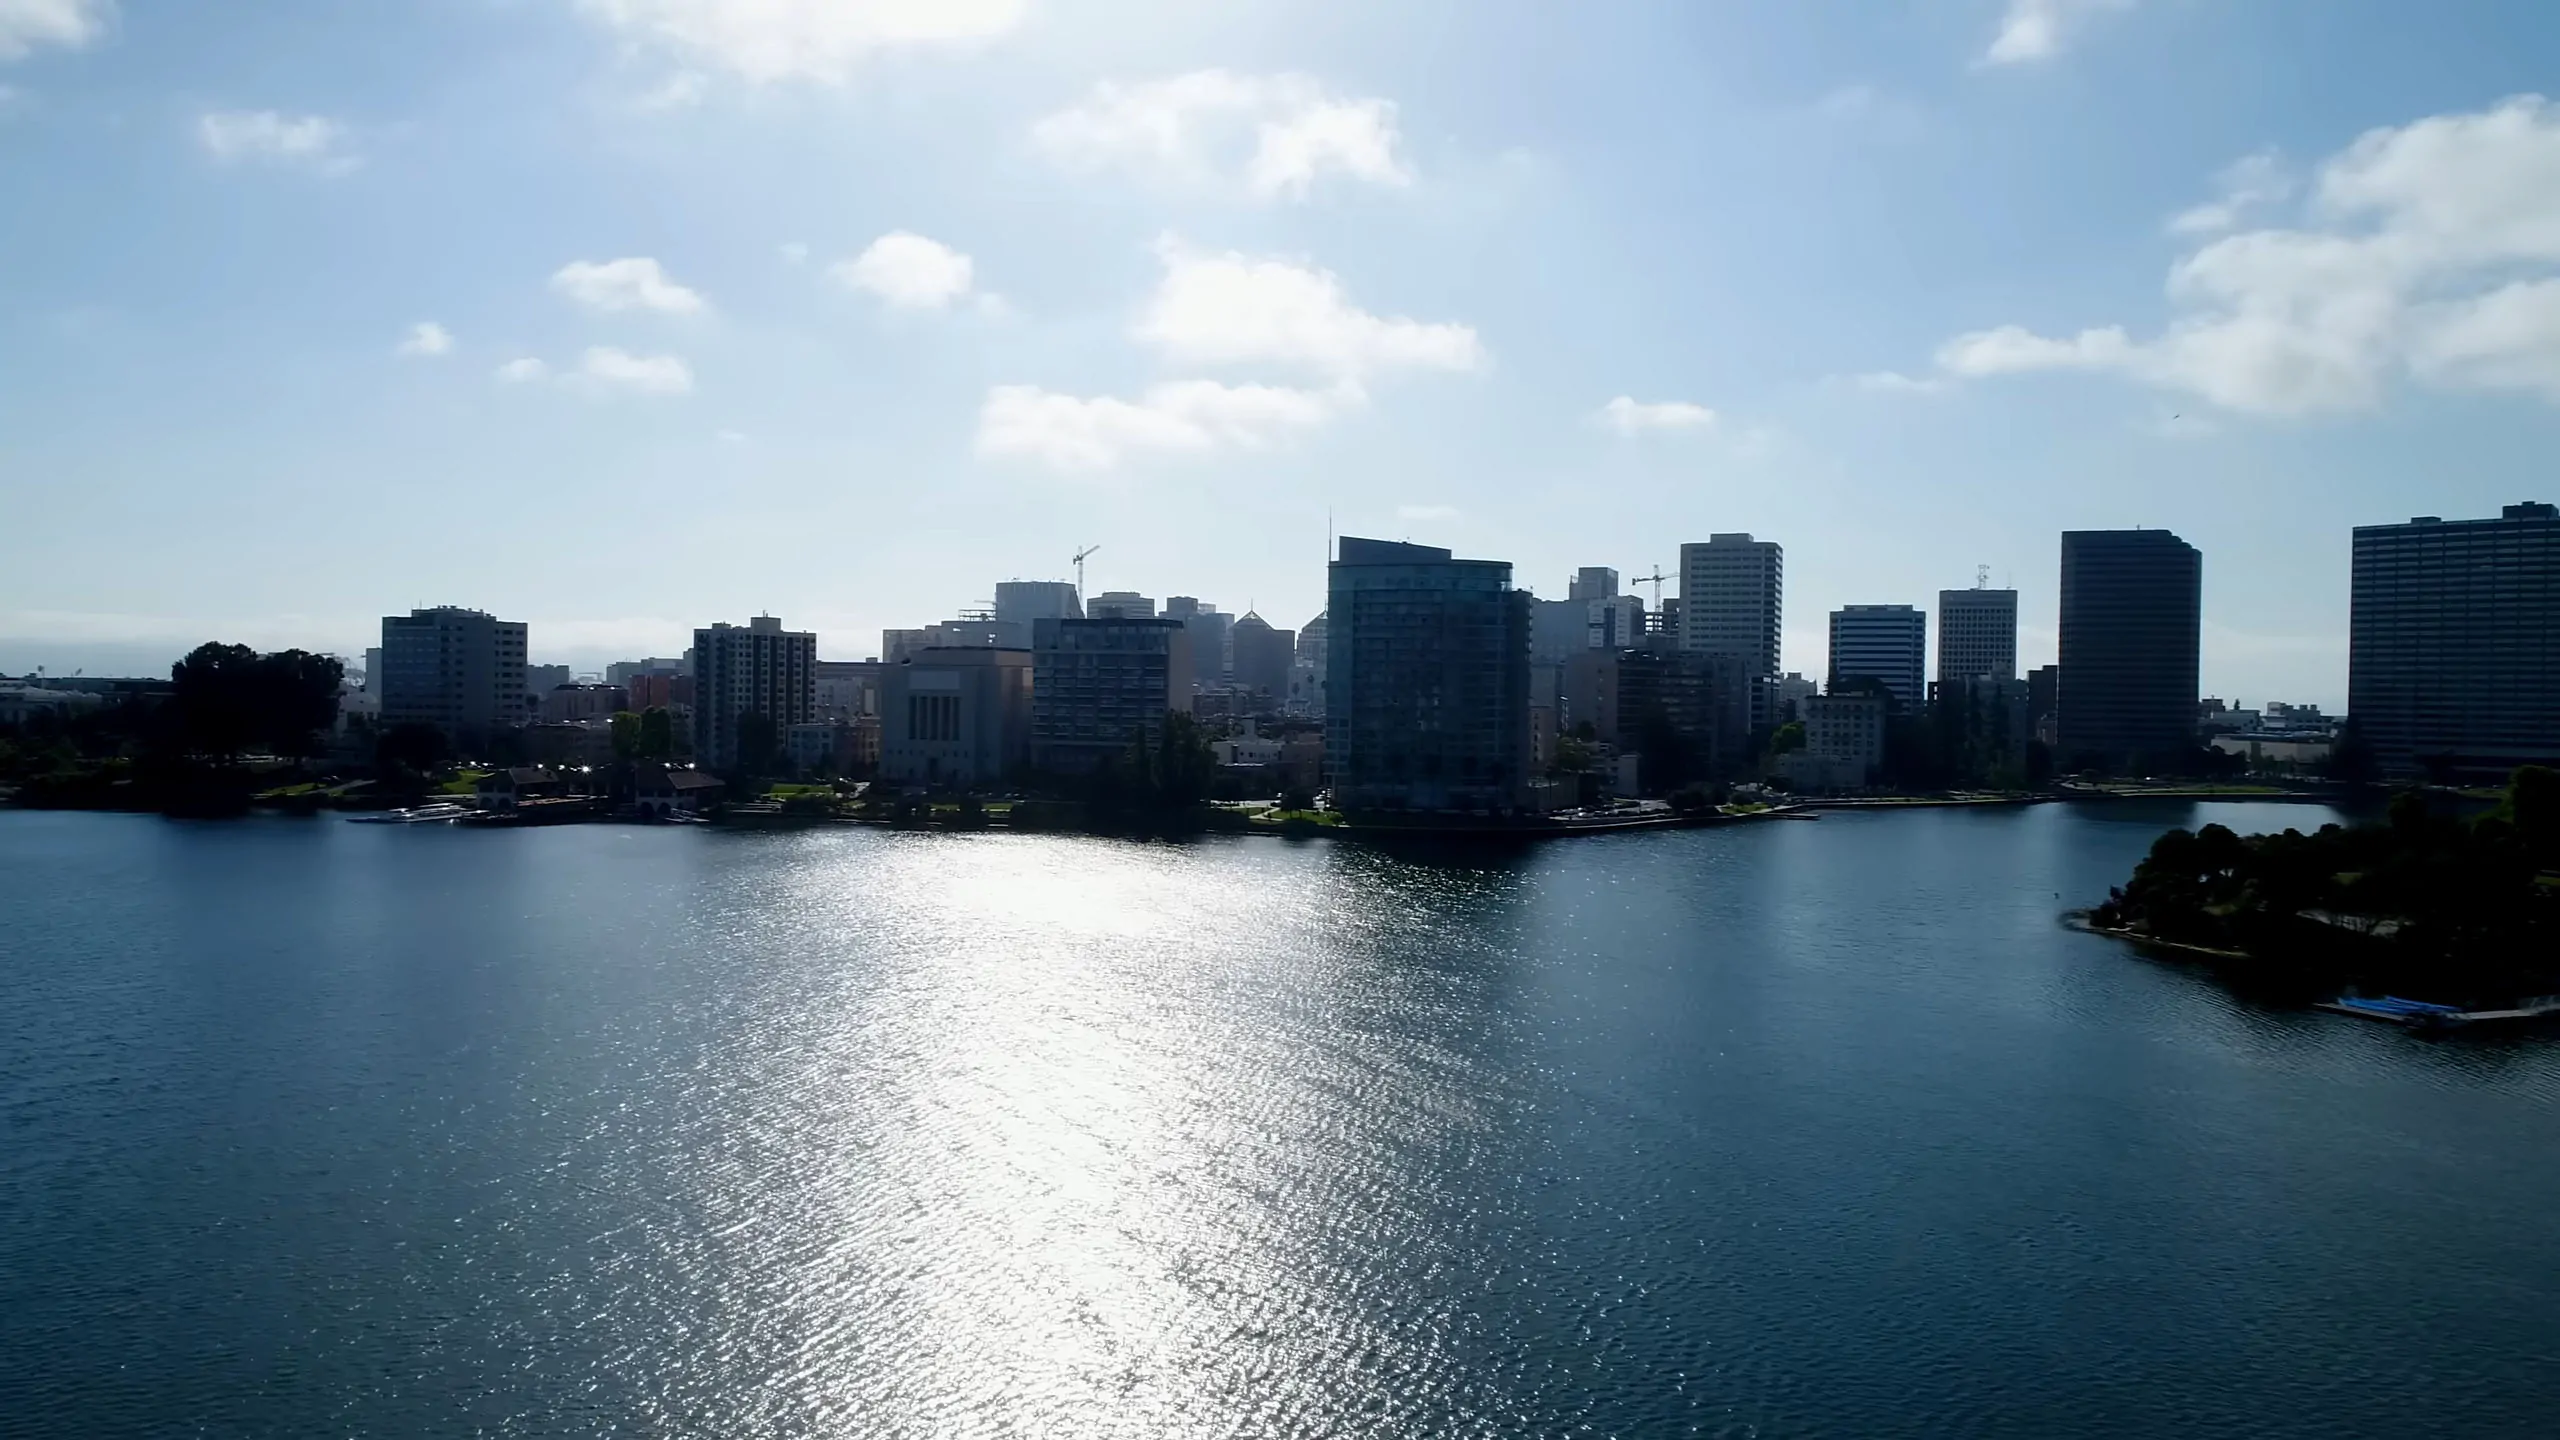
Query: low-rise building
x=502 y=790
x=22 y=703
x=658 y=792
x=1843 y=743
x=956 y=716
x=582 y=702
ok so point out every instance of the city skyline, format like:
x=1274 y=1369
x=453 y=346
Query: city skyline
x=815 y=313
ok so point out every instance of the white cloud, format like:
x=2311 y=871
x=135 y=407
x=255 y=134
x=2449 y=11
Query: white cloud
x=2249 y=183
x=604 y=369
x=1629 y=416
x=426 y=338
x=312 y=141
x=2430 y=249
x=1230 y=308
x=793 y=252
x=2508 y=339
x=633 y=283
x=1274 y=136
x=730 y=437
x=71 y=24
x=908 y=271
x=2036 y=29
x=522 y=370
x=819 y=40
x=1894 y=382
x=1426 y=512
x=1079 y=434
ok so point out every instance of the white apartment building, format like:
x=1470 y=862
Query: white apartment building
x=756 y=668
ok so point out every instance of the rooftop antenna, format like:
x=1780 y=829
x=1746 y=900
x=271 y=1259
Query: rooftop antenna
x=1089 y=549
x=1981 y=577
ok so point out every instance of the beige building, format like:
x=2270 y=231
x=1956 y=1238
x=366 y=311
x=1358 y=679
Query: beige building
x=956 y=716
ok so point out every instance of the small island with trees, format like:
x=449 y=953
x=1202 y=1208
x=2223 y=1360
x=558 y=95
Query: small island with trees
x=2463 y=912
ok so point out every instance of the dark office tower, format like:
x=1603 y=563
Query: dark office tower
x=2132 y=603
x=1427 y=684
x=1262 y=655
x=2453 y=643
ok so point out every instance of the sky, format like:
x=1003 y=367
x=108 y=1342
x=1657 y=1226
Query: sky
x=625 y=316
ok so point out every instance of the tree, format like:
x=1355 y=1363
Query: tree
x=759 y=743
x=626 y=736
x=657 y=734
x=297 y=700
x=227 y=698
x=1787 y=738
x=411 y=748
x=1573 y=755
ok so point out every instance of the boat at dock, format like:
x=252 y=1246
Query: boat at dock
x=440 y=813
x=2426 y=1015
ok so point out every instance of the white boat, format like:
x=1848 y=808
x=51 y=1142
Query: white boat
x=438 y=813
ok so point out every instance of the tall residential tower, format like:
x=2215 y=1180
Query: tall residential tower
x=757 y=668
x=2453 y=643
x=1427 y=690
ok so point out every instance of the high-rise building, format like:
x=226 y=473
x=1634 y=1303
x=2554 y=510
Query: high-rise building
x=1592 y=582
x=1120 y=605
x=461 y=671
x=1022 y=602
x=1977 y=635
x=1212 y=655
x=957 y=716
x=2132 y=609
x=1306 y=675
x=897 y=645
x=1427 y=689
x=1888 y=643
x=1732 y=599
x=2044 y=702
x=2453 y=643
x=1615 y=622
x=1098 y=686
x=1558 y=630
x=757 y=668
x=1262 y=655
x=1694 y=703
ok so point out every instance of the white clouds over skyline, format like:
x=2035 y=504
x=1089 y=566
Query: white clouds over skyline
x=26 y=25
x=907 y=271
x=1219 y=311
x=312 y=142
x=1229 y=308
x=632 y=283
x=1079 y=434
x=2427 y=249
x=825 y=41
x=1270 y=136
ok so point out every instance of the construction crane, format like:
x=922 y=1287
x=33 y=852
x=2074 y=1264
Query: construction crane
x=1655 y=580
x=1089 y=549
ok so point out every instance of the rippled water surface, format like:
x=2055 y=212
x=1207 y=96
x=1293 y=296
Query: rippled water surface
x=309 y=1128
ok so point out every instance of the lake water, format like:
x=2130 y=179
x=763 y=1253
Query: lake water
x=317 y=1129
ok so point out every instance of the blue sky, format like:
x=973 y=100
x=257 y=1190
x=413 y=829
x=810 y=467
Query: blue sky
x=622 y=316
